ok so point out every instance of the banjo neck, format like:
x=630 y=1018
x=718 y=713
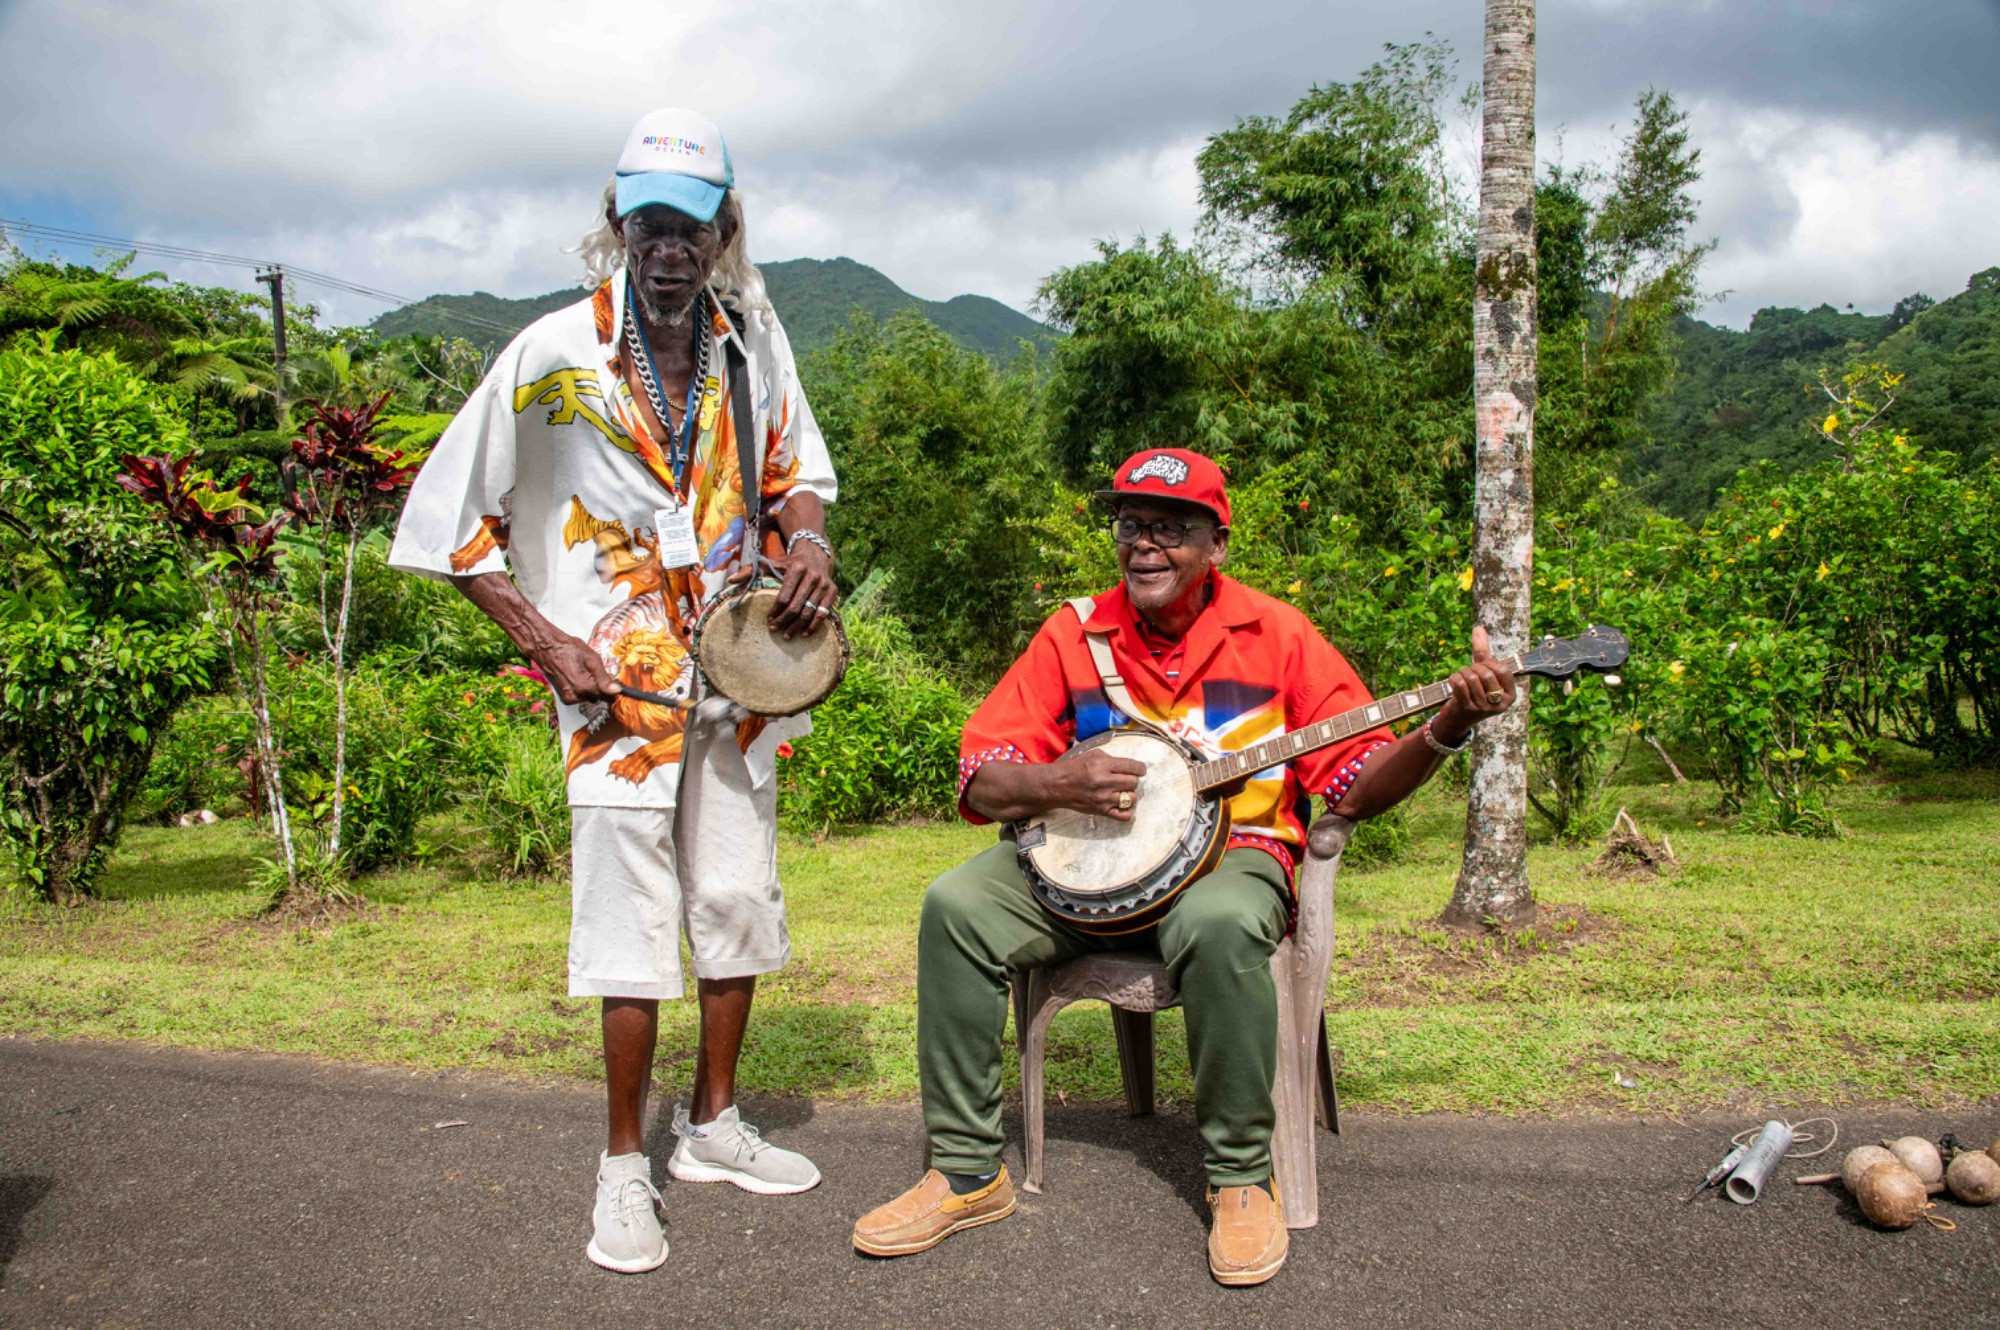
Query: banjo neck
x=1293 y=744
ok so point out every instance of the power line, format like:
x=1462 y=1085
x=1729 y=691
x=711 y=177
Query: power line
x=67 y=235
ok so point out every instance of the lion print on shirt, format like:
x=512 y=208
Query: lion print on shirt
x=642 y=641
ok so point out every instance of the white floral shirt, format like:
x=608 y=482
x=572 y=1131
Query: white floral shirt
x=548 y=472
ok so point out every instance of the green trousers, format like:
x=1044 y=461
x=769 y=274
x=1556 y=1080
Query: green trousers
x=981 y=926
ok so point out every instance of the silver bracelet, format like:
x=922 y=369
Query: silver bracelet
x=808 y=534
x=1439 y=747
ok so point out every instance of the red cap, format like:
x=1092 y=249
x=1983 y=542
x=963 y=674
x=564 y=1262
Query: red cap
x=1172 y=473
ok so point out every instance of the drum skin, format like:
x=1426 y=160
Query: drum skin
x=740 y=656
x=1102 y=875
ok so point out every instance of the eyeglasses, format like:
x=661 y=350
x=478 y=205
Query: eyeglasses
x=1166 y=535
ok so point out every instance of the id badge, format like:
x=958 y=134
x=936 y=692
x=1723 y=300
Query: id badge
x=674 y=526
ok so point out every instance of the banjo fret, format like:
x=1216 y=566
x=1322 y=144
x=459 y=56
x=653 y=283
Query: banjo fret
x=1297 y=743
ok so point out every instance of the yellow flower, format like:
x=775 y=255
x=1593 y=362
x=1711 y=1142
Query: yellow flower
x=1563 y=585
x=1777 y=531
x=1390 y=571
x=1823 y=571
x=1465 y=580
x=1295 y=588
x=1832 y=422
x=1677 y=669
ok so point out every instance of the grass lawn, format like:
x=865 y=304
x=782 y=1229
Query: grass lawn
x=1769 y=972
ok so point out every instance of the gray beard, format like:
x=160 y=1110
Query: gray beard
x=666 y=318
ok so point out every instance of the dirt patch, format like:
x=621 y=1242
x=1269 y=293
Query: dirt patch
x=1630 y=853
x=512 y=1044
x=1401 y=967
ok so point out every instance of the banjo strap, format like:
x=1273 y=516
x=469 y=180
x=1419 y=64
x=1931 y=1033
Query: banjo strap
x=746 y=447
x=1107 y=668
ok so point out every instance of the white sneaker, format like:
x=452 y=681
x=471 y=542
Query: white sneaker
x=731 y=1150
x=628 y=1237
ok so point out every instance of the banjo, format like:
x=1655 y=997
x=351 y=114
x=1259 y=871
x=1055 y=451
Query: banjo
x=1105 y=876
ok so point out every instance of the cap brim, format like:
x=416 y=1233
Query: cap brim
x=697 y=198
x=1112 y=497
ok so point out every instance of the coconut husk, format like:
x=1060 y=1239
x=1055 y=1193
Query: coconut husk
x=1892 y=1196
x=1920 y=1156
x=1974 y=1178
x=1629 y=853
x=1859 y=1160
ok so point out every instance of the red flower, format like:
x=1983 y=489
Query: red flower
x=1303 y=503
x=784 y=750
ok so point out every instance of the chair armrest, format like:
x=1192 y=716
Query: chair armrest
x=1325 y=843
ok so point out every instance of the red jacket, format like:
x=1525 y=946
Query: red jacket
x=1249 y=668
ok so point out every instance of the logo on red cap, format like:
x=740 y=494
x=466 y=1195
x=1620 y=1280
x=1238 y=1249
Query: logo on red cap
x=1172 y=473
x=1169 y=470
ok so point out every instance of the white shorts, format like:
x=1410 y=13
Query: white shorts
x=639 y=875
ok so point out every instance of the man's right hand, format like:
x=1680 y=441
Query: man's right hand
x=1091 y=782
x=576 y=672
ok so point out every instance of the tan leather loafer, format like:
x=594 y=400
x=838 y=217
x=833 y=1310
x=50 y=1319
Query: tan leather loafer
x=1247 y=1240
x=928 y=1213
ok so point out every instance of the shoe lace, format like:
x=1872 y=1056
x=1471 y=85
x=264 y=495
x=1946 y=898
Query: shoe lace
x=636 y=1196
x=752 y=1140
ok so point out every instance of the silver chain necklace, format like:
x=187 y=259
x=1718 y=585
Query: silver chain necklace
x=681 y=441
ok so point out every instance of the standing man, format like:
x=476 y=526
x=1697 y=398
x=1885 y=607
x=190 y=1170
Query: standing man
x=619 y=461
x=1223 y=667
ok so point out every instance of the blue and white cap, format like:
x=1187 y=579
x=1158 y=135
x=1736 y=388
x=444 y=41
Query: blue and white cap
x=676 y=157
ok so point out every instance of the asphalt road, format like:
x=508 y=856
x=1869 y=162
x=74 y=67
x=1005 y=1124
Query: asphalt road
x=161 y=1189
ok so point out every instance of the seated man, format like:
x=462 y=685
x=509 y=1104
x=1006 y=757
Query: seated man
x=1224 y=667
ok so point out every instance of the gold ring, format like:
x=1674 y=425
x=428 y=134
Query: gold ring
x=1495 y=699
x=1124 y=801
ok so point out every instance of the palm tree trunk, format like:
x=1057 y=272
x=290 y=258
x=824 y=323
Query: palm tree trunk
x=1493 y=877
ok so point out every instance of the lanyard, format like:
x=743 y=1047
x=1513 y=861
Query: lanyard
x=681 y=441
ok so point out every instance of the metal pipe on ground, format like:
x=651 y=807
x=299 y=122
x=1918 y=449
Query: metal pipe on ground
x=1747 y=1182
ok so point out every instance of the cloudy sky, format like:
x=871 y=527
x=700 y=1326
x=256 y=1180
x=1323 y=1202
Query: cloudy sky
x=1852 y=150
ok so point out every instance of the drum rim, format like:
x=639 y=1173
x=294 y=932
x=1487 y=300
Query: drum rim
x=736 y=593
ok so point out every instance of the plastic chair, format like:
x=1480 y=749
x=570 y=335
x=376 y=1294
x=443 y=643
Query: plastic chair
x=1135 y=985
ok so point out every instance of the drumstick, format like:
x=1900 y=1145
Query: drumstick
x=657 y=699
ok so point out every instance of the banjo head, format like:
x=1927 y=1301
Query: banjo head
x=1087 y=856
x=744 y=659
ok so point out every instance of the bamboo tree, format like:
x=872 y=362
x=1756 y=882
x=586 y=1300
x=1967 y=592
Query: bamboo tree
x=1493 y=877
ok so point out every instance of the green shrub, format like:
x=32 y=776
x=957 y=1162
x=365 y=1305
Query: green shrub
x=391 y=612
x=195 y=762
x=525 y=805
x=417 y=739
x=101 y=637
x=1378 y=842
x=885 y=744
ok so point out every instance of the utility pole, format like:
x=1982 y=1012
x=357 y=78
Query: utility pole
x=274 y=277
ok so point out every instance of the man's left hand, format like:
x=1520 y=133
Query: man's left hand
x=808 y=596
x=1482 y=689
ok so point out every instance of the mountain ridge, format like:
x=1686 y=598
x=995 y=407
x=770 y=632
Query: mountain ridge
x=814 y=297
